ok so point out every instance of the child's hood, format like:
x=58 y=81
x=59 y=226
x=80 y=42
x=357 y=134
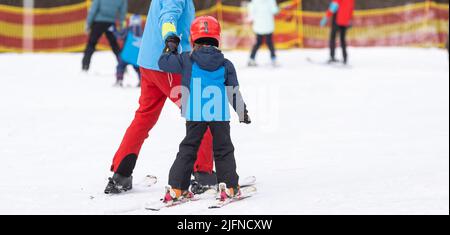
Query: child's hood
x=208 y=58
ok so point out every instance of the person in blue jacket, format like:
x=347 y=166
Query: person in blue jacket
x=210 y=83
x=165 y=18
x=262 y=13
x=132 y=36
x=101 y=20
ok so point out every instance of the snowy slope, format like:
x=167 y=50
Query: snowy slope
x=370 y=139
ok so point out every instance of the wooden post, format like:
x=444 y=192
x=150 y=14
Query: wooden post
x=299 y=16
x=220 y=11
x=28 y=26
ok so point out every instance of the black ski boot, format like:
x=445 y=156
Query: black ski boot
x=119 y=83
x=203 y=182
x=119 y=184
x=85 y=67
x=345 y=61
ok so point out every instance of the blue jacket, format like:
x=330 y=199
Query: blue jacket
x=209 y=83
x=132 y=37
x=179 y=12
x=107 y=11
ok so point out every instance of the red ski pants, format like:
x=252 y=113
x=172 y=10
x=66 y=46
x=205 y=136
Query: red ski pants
x=156 y=88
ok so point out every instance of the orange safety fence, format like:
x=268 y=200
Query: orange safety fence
x=61 y=28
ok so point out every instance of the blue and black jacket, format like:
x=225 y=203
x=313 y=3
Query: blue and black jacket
x=132 y=37
x=209 y=83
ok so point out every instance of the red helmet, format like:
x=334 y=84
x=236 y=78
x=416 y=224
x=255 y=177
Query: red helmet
x=205 y=27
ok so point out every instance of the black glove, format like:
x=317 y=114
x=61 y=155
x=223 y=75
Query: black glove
x=247 y=119
x=172 y=43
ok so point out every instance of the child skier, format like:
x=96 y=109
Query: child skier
x=209 y=82
x=341 y=12
x=132 y=37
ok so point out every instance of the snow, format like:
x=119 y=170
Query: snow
x=372 y=138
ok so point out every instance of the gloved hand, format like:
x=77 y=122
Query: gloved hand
x=324 y=21
x=246 y=119
x=168 y=29
x=172 y=43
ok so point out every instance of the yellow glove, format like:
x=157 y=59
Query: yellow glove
x=168 y=29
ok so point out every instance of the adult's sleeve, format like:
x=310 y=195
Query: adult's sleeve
x=171 y=11
x=95 y=7
x=333 y=8
x=251 y=10
x=275 y=8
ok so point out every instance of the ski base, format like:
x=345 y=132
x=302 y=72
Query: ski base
x=157 y=206
x=335 y=64
x=247 y=190
x=246 y=193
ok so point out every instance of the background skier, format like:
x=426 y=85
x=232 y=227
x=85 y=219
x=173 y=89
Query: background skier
x=262 y=14
x=165 y=18
x=341 y=12
x=102 y=19
x=132 y=37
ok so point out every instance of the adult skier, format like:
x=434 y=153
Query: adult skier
x=165 y=18
x=341 y=14
x=102 y=19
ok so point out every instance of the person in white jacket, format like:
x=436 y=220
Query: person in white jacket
x=262 y=13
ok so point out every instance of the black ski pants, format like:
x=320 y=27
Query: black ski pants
x=97 y=30
x=181 y=171
x=342 y=30
x=259 y=43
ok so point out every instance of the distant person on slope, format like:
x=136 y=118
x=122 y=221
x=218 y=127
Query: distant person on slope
x=102 y=19
x=132 y=36
x=262 y=14
x=341 y=12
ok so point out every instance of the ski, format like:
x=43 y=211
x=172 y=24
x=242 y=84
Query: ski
x=246 y=192
x=248 y=181
x=336 y=64
x=159 y=205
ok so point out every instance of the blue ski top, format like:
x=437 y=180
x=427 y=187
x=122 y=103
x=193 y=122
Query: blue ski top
x=179 y=12
x=133 y=38
x=209 y=83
